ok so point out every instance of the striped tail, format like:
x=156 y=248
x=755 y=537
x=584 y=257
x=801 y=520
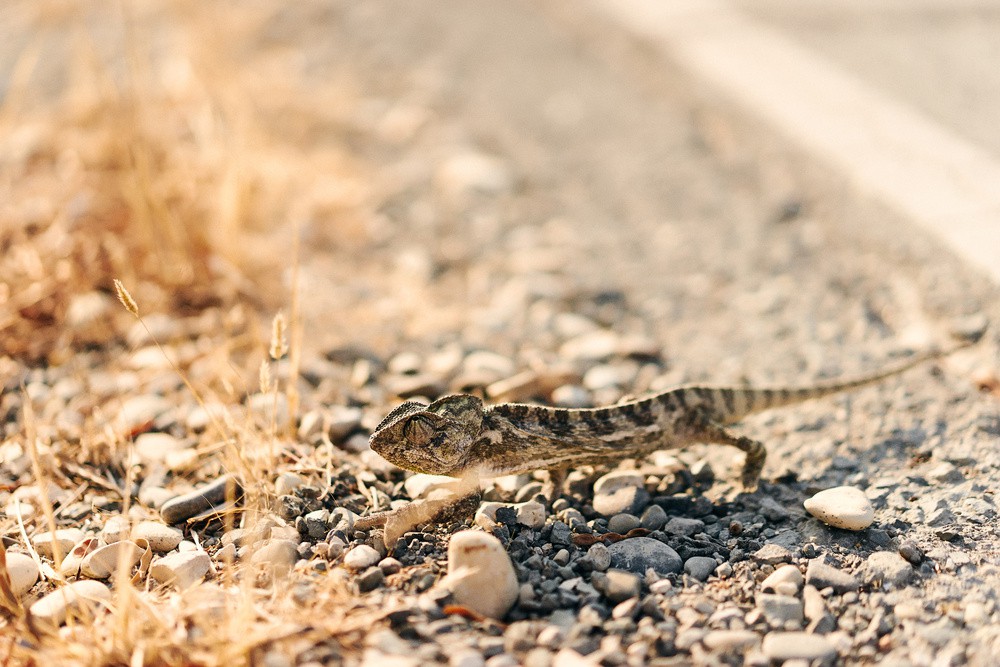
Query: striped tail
x=730 y=405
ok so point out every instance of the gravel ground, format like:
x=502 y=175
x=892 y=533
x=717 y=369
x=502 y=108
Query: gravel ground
x=561 y=218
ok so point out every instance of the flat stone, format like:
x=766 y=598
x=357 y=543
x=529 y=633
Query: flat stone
x=182 y=569
x=107 y=560
x=782 y=646
x=278 y=556
x=844 y=507
x=361 y=557
x=780 y=609
x=371 y=579
x=200 y=500
x=772 y=554
x=729 y=641
x=684 y=526
x=786 y=578
x=700 y=567
x=23 y=572
x=641 y=553
x=480 y=574
x=66 y=538
x=622 y=585
x=161 y=537
x=531 y=514
x=624 y=500
x=887 y=568
x=821 y=575
x=80 y=598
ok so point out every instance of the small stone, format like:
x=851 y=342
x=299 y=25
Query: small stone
x=684 y=526
x=278 y=556
x=621 y=585
x=361 y=557
x=139 y=412
x=911 y=552
x=80 y=598
x=531 y=514
x=622 y=523
x=772 y=554
x=782 y=646
x=780 y=609
x=821 y=575
x=844 y=507
x=700 y=567
x=105 y=561
x=599 y=556
x=469 y=173
x=156 y=447
x=419 y=485
x=182 y=569
x=466 y=657
x=200 y=500
x=641 y=553
x=269 y=410
x=116 y=528
x=591 y=346
x=571 y=396
x=66 y=538
x=888 y=569
x=317 y=523
x=480 y=574
x=781 y=579
x=654 y=518
x=287 y=482
x=371 y=579
x=730 y=641
x=161 y=538
x=23 y=572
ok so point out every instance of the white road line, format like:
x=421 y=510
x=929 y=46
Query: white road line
x=889 y=150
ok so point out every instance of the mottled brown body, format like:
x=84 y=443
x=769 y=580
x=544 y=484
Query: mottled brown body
x=458 y=434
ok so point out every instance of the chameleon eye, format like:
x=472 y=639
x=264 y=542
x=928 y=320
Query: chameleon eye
x=419 y=430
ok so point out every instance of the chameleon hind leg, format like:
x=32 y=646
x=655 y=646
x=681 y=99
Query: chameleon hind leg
x=756 y=454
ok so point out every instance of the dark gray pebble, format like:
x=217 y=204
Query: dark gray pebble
x=699 y=567
x=641 y=553
x=200 y=500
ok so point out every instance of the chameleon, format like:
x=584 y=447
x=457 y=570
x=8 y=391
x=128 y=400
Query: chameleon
x=459 y=435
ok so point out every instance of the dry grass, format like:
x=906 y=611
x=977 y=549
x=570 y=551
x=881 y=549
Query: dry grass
x=157 y=154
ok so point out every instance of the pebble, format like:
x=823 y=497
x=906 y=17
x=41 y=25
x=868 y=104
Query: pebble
x=728 y=641
x=591 y=346
x=700 y=567
x=786 y=580
x=684 y=526
x=772 y=554
x=821 y=575
x=115 y=529
x=531 y=514
x=371 y=579
x=783 y=646
x=622 y=523
x=78 y=598
x=200 y=500
x=471 y=172
x=654 y=518
x=466 y=657
x=287 y=482
x=269 y=410
x=620 y=492
x=887 y=568
x=641 y=553
x=66 y=538
x=278 y=556
x=621 y=585
x=419 y=485
x=105 y=561
x=361 y=557
x=23 y=572
x=844 y=507
x=182 y=569
x=780 y=609
x=161 y=537
x=571 y=396
x=156 y=447
x=138 y=412
x=480 y=574
x=599 y=556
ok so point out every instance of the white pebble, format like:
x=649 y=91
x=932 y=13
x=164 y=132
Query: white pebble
x=23 y=572
x=844 y=507
x=287 y=482
x=116 y=529
x=361 y=557
x=105 y=561
x=78 y=598
x=181 y=569
x=161 y=537
x=480 y=574
x=277 y=555
x=66 y=538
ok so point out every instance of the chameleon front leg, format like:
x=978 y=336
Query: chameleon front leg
x=711 y=433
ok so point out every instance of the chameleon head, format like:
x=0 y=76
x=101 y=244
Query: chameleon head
x=434 y=438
